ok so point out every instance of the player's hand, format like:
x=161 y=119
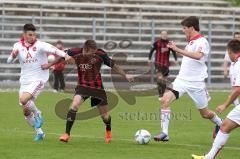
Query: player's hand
x=150 y=62
x=176 y=62
x=172 y=45
x=129 y=78
x=221 y=108
x=45 y=66
x=225 y=73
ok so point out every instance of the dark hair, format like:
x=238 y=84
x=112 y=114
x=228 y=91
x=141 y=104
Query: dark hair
x=234 y=46
x=90 y=44
x=191 y=21
x=236 y=33
x=29 y=27
x=59 y=42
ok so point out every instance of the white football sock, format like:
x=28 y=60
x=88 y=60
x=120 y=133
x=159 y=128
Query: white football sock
x=165 y=117
x=217 y=120
x=38 y=130
x=32 y=106
x=30 y=119
x=218 y=144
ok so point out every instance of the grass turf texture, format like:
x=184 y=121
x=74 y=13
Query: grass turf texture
x=189 y=133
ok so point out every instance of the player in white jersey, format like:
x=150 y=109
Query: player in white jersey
x=233 y=118
x=225 y=65
x=32 y=55
x=191 y=77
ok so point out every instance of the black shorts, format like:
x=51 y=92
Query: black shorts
x=162 y=69
x=98 y=96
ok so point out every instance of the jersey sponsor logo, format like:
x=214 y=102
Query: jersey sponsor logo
x=93 y=60
x=30 y=61
x=28 y=55
x=164 y=49
x=85 y=67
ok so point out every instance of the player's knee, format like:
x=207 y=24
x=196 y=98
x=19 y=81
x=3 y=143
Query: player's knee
x=23 y=101
x=224 y=128
x=75 y=105
x=26 y=112
x=105 y=116
x=164 y=102
x=160 y=80
x=206 y=115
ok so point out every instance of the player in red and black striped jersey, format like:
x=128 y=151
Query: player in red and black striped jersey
x=89 y=67
x=89 y=60
x=161 y=62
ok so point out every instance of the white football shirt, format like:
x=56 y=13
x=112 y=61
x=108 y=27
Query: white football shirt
x=31 y=58
x=191 y=69
x=226 y=57
x=235 y=76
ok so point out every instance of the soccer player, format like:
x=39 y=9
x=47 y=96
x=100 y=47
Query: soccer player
x=89 y=60
x=191 y=77
x=226 y=61
x=233 y=118
x=161 y=61
x=32 y=54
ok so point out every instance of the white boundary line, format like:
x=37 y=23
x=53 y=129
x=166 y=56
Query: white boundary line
x=115 y=139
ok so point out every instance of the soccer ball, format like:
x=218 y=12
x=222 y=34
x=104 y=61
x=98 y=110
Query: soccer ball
x=51 y=58
x=142 y=137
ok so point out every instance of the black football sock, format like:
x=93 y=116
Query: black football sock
x=108 y=123
x=71 y=115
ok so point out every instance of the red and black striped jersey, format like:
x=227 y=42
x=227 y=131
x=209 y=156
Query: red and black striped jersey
x=162 y=53
x=89 y=67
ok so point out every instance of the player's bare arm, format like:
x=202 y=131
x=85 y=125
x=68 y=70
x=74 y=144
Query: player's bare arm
x=120 y=71
x=234 y=94
x=193 y=55
x=12 y=56
x=57 y=60
x=225 y=68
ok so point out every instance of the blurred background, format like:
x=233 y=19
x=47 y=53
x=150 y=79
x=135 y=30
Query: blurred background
x=119 y=26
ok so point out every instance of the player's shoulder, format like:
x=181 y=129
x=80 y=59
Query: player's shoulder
x=157 y=41
x=17 y=44
x=74 y=51
x=202 y=40
x=39 y=42
x=101 y=52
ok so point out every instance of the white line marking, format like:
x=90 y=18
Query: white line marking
x=115 y=139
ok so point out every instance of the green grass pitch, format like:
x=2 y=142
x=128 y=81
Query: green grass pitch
x=189 y=133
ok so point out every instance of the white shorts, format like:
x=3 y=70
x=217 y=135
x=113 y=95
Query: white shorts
x=196 y=90
x=34 y=88
x=234 y=115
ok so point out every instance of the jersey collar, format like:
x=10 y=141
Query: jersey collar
x=23 y=43
x=237 y=58
x=196 y=37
